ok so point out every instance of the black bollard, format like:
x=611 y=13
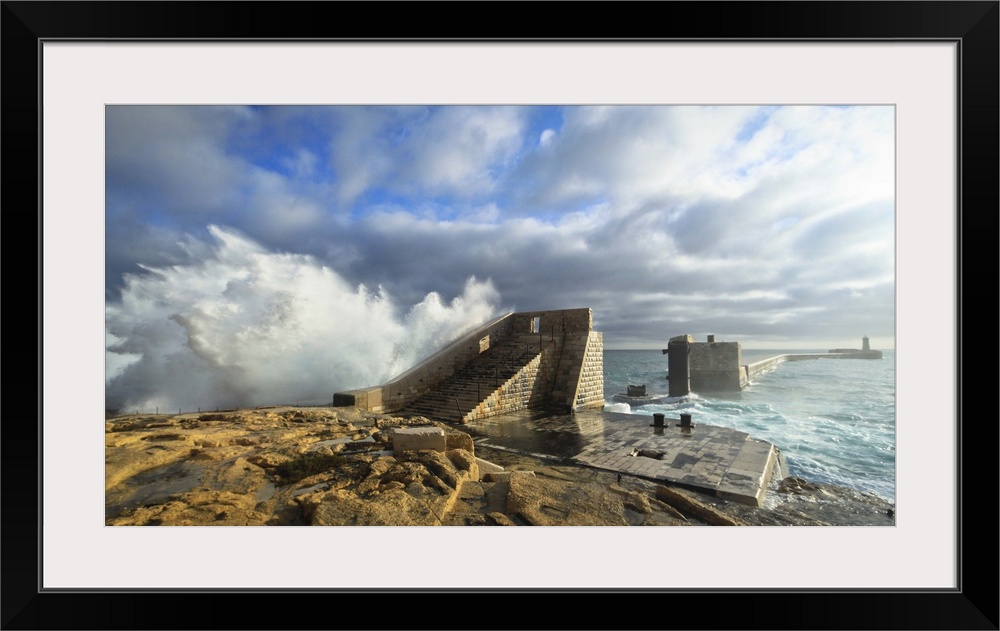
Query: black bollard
x=658 y=420
x=686 y=421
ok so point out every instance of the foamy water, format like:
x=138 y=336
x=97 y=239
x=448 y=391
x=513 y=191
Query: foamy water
x=834 y=419
x=244 y=326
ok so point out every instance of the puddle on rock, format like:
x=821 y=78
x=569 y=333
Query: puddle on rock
x=309 y=489
x=153 y=487
x=343 y=440
x=265 y=492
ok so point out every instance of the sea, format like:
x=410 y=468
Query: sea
x=833 y=419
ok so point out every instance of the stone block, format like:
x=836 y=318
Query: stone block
x=485 y=466
x=417 y=438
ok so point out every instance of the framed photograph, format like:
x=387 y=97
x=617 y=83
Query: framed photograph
x=927 y=75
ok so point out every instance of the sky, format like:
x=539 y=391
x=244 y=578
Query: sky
x=258 y=252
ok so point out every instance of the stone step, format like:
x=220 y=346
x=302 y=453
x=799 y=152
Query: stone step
x=460 y=394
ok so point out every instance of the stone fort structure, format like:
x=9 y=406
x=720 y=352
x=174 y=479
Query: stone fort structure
x=518 y=361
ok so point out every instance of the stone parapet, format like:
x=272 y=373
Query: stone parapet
x=422 y=378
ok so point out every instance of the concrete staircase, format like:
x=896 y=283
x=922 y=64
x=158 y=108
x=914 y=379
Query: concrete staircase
x=499 y=380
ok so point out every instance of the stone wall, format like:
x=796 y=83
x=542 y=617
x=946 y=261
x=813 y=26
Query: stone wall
x=568 y=332
x=520 y=392
x=552 y=323
x=570 y=368
x=716 y=366
x=590 y=386
x=756 y=368
x=574 y=369
x=579 y=380
x=419 y=380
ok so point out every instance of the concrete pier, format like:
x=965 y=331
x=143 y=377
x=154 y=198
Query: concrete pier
x=720 y=461
x=727 y=463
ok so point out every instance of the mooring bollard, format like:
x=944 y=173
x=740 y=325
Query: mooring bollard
x=658 y=420
x=685 y=421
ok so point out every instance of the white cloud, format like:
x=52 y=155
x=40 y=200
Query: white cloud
x=619 y=204
x=419 y=151
x=174 y=156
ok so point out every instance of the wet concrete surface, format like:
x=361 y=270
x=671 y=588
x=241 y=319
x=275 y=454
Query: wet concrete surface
x=720 y=461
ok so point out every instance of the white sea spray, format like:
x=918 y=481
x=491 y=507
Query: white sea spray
x=244 y=326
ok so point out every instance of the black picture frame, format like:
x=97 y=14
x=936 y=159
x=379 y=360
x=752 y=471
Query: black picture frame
x=973 y=605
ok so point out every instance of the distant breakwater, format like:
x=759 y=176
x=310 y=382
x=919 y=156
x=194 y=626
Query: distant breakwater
x=764 y=365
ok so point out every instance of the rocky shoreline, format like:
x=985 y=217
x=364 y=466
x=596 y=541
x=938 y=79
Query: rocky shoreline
x=289 y=466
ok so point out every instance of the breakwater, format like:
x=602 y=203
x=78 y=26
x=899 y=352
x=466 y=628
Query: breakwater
x=751 y=371
x=716 y=366
x=756 y=368
x=833 y=420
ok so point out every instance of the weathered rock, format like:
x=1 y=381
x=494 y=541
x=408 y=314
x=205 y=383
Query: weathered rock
x=498 y=519
x=211 y=443
x=202 y=508
x=459 y=440
x=687 y=504
x=542 y=502
x=819 y=504
x=465 y=461
x=239 y=476
x=444 y=466
x=663 y=519
x=671 y=514
x=504 y=476
x=393 y=508
x=797 y=486
x=236 y=468
x=639 y=502
x=268 y=460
